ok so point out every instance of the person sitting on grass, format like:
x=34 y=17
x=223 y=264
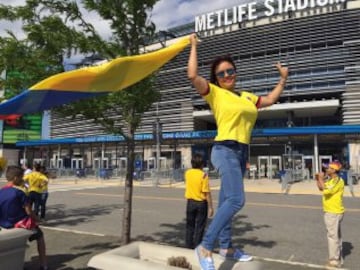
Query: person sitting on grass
x=15 y=210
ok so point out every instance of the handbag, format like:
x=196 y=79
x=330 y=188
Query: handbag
x=27 y=223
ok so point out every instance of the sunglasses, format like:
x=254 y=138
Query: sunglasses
x=229 y=72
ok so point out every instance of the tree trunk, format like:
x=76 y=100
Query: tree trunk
x=126 y=225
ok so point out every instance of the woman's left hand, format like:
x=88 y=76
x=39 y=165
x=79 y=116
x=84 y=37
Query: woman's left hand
x=283 y=71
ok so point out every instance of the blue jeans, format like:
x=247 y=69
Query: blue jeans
x=230 y=161
x=44 y=197
x=35 y=199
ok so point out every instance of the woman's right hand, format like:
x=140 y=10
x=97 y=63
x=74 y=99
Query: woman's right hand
x=283 y=71
x=193 y=39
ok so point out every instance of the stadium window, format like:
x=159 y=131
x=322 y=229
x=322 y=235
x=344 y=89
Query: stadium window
x=245 y=56
x=258 y=54
x=271 y=76
x=337 y=69
x=272 y=52
x=302 y=48
x=303 y=86
x=319 y=71
x=245 y=79
x=318 y=45
x=259 y=78
x=302 y=73
x=320 y=85
x=283 y=50
x=334 y=43
x=337 y=83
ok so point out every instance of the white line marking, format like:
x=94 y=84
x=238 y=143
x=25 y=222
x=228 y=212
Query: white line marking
x=296 y=263
x=72 y=231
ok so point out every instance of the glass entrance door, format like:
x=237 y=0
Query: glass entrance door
x=275 y=166
x=77 y=163
x=97 y=163
x=308 y=165
x=263 y=166
x=122 y=163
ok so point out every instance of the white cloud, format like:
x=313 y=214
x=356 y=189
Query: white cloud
x=171 y=13
x=166 y=14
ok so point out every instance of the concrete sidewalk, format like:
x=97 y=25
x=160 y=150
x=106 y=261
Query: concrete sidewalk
x=307 y=187
x=263 y=185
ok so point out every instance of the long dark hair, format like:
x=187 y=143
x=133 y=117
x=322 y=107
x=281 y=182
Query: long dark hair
x=215 y=63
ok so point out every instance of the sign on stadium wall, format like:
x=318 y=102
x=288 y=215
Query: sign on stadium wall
x=249 y=11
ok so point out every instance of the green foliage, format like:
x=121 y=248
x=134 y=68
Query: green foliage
x=41 y=53
x=128 y=19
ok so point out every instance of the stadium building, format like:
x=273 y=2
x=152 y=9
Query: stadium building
x=317 y=118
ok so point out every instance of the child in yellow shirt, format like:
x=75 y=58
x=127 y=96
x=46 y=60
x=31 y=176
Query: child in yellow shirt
x=199 y=202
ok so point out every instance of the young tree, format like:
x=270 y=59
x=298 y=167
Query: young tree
x=40 y=53
x=119 y=112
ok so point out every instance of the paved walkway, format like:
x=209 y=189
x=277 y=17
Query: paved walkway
x=69 y=250
x=258 y=185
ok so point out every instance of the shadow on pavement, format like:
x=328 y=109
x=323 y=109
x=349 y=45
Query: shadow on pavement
x=69 y=251
x=58 y=261
x=57 y=216
x=347 y=248
x=174 y=234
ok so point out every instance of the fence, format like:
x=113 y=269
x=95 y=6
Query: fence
x=161 y=177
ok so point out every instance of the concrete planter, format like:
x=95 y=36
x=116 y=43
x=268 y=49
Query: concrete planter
x=12 y=248
x=149 y=256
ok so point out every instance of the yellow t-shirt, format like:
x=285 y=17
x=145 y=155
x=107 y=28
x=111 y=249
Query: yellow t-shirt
x=333 y=196
x=235 y=115
x=196 y=184
x=36 y=181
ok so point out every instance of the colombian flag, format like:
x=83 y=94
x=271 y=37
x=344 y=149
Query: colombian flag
x=88 y=82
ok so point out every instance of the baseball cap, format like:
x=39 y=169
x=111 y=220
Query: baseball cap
x=336 y=165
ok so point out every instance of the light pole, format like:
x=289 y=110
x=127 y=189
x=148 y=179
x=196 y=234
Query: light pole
x=157 y=134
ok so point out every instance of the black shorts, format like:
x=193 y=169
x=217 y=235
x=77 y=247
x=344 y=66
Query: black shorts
x=37 y=234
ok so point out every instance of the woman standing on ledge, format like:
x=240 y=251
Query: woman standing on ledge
x=235 y=116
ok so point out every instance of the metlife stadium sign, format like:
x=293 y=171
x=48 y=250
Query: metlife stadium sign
x=249 y=11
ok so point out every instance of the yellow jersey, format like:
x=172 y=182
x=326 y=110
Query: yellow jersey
x=37 y=181
x=235 y=115
x=196 y=184
x=333 y=196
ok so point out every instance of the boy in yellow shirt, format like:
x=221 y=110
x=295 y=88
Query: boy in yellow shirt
x=199 y=202
x=332 y=200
